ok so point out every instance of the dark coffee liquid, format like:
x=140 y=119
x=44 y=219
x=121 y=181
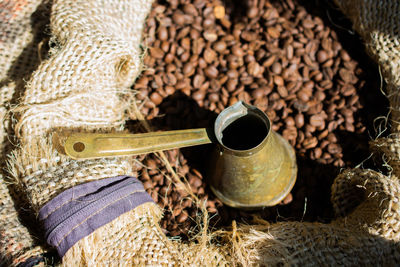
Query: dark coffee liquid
x=245 y=133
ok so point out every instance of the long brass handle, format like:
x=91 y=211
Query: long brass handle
x=93 y=145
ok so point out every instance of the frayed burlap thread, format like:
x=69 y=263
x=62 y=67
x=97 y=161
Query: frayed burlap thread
x=22 y=35
x=140 y=242
x=17 y=245
x=310 y=244
x=83 y=86
x=377 y=23
x=136 y=239
x=366 y=232
x=42 y=172
x=388 y=150
x=377 y=199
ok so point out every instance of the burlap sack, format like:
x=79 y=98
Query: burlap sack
x=84 y=86
x=22 y=34
x=17 y=245
x=377 y=24
x=365 y=233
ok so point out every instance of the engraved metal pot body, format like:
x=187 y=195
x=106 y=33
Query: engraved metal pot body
x=260 y=174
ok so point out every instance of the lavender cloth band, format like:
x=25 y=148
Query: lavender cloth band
x=79 y=211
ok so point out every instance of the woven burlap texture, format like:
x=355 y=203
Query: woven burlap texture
x=141 y=242
x=16 y=243
x=22 y=34
x=95 y=58
x=43 y=173
x=365 y=233
x=82 y=86
x=388 y=149
x=377 y=23
x=377 y=198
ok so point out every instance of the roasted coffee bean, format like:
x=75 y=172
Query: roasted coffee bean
x=162 y=34
x=156 y=98
x=211 y=72
x=276 y=68
x=303 y=95
x=220 y=46
x=252 y=12
x=290 y=121
x=182 y=217
x=147 y=185
x=278 y=81
x=310 y=142
x=199 y=95
x=322 y=56
x=278 y=57
x=188 y=69
x=290 y=134
x=156 y=52
x=308 y=23
x=334 y=148
x=209 y=55
x=178 y=17
x=213 y=97
x=299 y=120
x=258 y=93
x=287 y=199
x=317 y=120
x=282 y=91
x=317 y=152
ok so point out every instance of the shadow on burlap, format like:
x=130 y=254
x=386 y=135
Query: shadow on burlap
x=22 y=47
x=84 y=85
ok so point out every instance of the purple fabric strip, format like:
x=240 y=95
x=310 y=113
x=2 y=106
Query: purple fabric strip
x=79 y=211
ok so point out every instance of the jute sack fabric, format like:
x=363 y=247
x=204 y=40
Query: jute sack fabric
x=22 y=33
x=365 y=233
x=83 y=86
x=17 y=245
x=377 y=24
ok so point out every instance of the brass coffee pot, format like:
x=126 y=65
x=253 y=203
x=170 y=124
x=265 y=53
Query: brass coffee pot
x=251 y=166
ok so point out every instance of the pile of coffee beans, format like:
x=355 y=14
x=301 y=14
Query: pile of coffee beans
x=284 y=57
